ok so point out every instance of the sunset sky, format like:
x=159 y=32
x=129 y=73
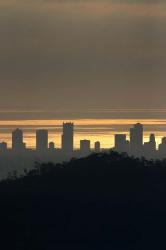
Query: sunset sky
x=82 y=59
x=79 y=56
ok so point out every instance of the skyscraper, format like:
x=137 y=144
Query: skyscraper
x=17 y=140
x=97 y=146
x=51 y=145
x=162 y=148
x=41 y=140
x=150 y=147
x=121 y=144
x=3 y=147
x=136 y=140
x=152 y=142
x=68 y=138
x=85 y=147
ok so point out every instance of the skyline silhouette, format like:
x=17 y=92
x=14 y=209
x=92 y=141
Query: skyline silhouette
x=100 y=133
x=134 y=146
x=83 y=124
x=102 y=130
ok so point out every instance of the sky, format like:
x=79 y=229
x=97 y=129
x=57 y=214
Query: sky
x=82 y=57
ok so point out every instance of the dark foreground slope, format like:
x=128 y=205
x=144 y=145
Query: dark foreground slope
x=104 y=201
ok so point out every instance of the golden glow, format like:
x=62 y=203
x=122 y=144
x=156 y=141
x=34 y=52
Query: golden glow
x=102 y=130
x=79 y=122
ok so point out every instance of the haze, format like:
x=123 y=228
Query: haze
x=59 y=55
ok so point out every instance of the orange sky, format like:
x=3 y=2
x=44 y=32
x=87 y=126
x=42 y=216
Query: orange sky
x=102 y=130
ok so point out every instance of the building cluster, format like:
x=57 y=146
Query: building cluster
x=134 y=146
x=43 y=144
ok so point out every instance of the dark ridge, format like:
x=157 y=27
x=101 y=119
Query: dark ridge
x=103 y=201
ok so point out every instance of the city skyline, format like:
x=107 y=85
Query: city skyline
x=97 y=64
x=83 y=123
x=92 y=129
x=133 y=143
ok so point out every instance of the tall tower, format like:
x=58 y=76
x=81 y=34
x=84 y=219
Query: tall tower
x=150 y=148
x=121 y=144
x=85 y=147
x=41 y=140
x=152 y=142
x=3 y=147
x=68 y=138
x=17 y=140
x=136 y=139
x=97 y=146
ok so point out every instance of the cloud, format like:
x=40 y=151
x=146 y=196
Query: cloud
x=139 y=1
x=93 y=8
x=81 y=53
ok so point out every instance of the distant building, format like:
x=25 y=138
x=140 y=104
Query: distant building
x=150 y=147
x=51 y=145
x=136 y=140
x=85 y=147
x=152 y=142
x=3 y=147
x=162 y=148
x=121 y=144
x=97 y=147
x=17 y=140
x=68 y=138
x=41 y=140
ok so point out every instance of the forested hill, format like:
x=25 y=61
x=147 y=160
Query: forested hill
x=104 y=201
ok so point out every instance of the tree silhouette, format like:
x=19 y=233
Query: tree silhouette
x=103 y=201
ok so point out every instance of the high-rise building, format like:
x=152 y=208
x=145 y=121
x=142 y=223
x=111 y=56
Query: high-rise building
x=121 y=144
x=41 y=140
x=150 y=147
x=17 y=140
x=162 y=148
x=152 y=142
x=97 y=146
x=3 y=147
x=136 y=140
x=85 y=147
x=51 y=145
x=68 y=138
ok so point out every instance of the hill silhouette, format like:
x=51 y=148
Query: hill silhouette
x=103 y=201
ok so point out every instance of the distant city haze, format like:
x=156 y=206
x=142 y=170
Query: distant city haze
x=27 y=142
